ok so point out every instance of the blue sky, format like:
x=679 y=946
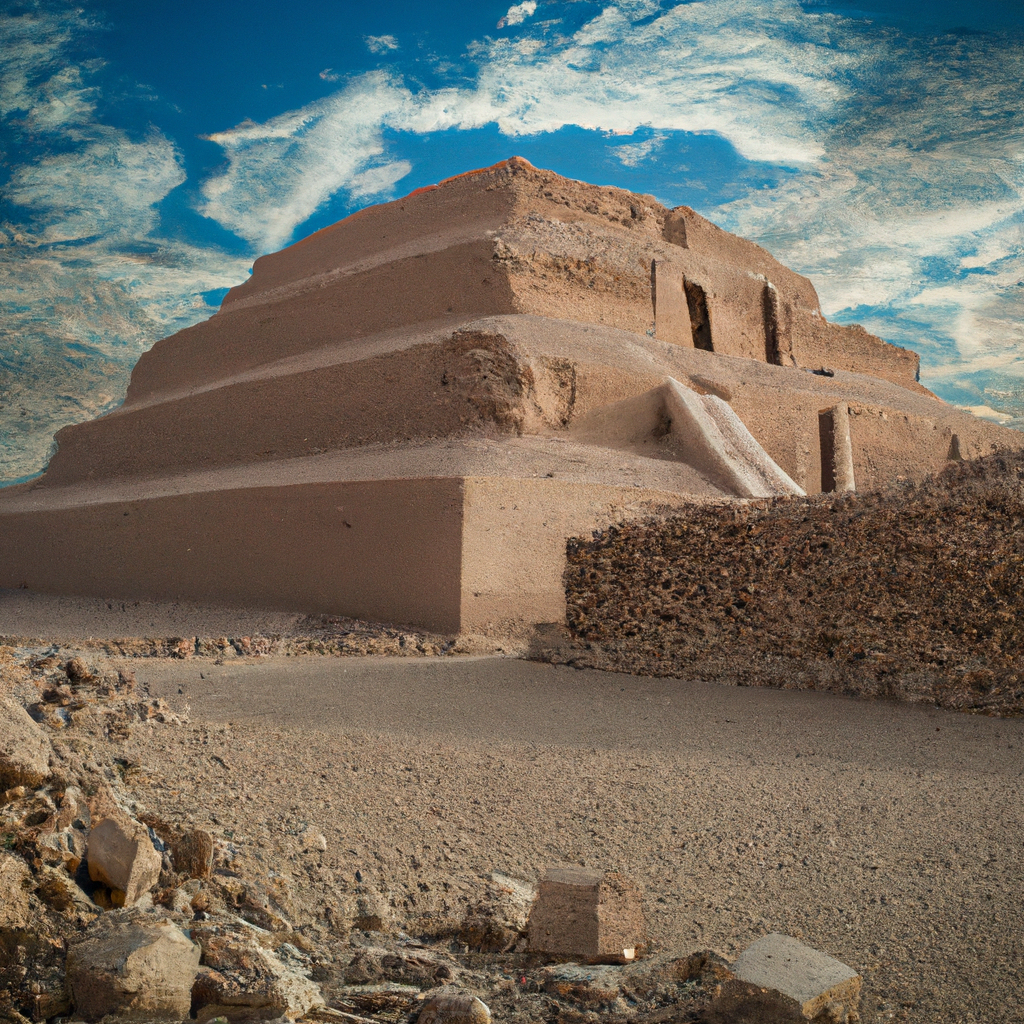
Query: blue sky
x=150 y=152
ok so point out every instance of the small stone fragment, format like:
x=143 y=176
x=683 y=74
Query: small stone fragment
x=25 y=750
x=461 y=1008
x=122 y=856
x=590 y=915
x=193 y=854
x=785 y=981
x=133 y=968
x=78 y=672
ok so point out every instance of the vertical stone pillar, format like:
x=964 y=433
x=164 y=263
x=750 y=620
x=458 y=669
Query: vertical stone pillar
x=836 y=449
x=671 y=314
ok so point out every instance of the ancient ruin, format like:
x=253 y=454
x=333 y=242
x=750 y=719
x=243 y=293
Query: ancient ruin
x=403 y=417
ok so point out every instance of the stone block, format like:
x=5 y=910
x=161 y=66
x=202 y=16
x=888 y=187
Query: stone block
x=587 y=915
x=454 y=1008
x=25 y=750
x=122 y=856
x=780 y=980
x=135 y=969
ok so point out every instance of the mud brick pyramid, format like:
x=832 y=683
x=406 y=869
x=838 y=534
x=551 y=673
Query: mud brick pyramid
x=404 y=416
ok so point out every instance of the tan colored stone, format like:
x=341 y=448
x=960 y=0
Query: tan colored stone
x=590 y=915
x=122 y=856
x=135 y=969
x=454 y=1008
x=25 y=750
x=15 y=887
x=784 y=981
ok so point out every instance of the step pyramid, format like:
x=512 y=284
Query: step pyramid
x=404 y=416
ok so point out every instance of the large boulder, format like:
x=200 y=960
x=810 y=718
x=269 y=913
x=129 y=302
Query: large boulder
x=122 y=856
x=133 y=967
x=25 y=750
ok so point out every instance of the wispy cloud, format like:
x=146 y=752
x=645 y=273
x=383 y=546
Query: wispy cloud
x=518 y=13
x=86 y=283
x=380 y=44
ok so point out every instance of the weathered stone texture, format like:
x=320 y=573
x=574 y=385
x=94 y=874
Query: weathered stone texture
x=136 y=969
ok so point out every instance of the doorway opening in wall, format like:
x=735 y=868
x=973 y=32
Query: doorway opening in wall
x=770 y=309
x=827 y=443
x=700 y=321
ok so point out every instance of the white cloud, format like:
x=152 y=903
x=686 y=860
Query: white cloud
x=380 y=44
x=518 y=13
x=698 y=67
x=632 y=154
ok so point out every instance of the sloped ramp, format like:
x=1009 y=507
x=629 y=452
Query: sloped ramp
x=701 y=430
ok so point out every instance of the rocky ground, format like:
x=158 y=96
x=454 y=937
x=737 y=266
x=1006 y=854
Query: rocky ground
x=354 y=873
x=325 y=870
x=915 y=593
x=276 y=934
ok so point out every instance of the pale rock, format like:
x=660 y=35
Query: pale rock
x=132 y=967
x=15 y=887
x=122 y=856
x=457 y=1008
x=779 y=980
x=25 y=750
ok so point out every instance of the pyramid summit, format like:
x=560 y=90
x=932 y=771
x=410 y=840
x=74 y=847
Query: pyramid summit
x=404 y=416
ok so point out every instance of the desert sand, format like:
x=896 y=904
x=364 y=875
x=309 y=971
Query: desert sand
x=884 y=834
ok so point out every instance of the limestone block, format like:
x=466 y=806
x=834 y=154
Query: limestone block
x=590 y=915
x=15 y=883
x=121 y=855
x=788 y=981
x=459 y=1008
x=25 y=750
x=135 y=969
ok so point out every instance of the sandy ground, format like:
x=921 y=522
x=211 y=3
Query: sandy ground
x=886 y=835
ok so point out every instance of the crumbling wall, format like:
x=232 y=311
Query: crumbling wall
x=814 y=343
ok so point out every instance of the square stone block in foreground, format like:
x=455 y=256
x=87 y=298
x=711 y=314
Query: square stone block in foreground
x=587 y=915
x=794 y=980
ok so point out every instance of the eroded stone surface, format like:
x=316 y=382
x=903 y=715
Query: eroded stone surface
x=588 y=914
x=25 y=751
x=134 y=967
x=122 y=856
